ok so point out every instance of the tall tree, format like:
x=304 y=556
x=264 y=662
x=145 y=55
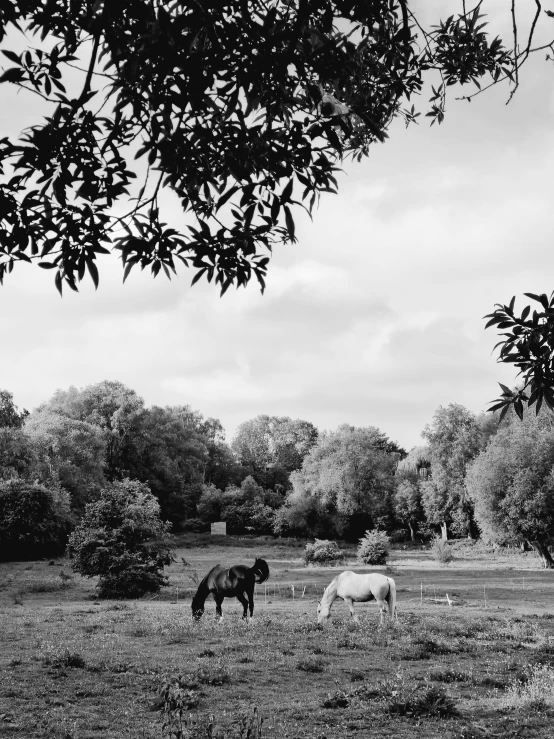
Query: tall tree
x=17 y=455
x=243 y=109
x=70 y=454
x=273 y=441
x=512 y=484
x=454 y=438
x=108 y=405
x=9 y=415
x=168 y=453
x=350 y=477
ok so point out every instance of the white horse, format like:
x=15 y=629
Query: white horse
x=354 y=588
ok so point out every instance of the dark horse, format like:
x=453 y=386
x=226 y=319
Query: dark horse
x=229 y=582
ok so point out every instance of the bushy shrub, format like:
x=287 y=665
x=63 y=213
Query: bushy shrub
x=195 y=526
x=323 y=551
x=441 y=551
x=122 y=539
x=32 y=525
x=374 y=548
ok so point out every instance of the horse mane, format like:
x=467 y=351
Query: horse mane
x=262 y=568
x=330 y=592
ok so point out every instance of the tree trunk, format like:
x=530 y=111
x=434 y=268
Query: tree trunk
x=412 y=532
x=444 y=531
x=542 y=550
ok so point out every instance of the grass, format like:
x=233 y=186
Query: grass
x=75 y=667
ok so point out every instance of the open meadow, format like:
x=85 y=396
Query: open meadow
x=479 y=663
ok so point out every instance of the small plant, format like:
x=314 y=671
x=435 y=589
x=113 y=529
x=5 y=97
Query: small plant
x=213 y=675
x=441 y=551
x=177 y=698
x=311 y=664
x=452 y=676
x=374 y=548
x=534 y=690
x=432 y=702
x=63 y=658
x=339 y=699
x=53 y=585
x=207 y=653
x=323 y=552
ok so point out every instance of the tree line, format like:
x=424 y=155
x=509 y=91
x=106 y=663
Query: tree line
x=475 y=475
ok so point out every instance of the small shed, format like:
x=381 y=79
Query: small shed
x=219 y=528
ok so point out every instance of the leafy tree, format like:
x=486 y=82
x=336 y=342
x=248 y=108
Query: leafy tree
x=349 y=476
x=242 y=109
x=166 y=450
x=68 y=454
x=407 y=505
x=33 y=523
x=512 y=484
x=9 y=415
x=273 y=441
x=17 y=456
x=455 y=437
x=112 y=407
x=122 y=539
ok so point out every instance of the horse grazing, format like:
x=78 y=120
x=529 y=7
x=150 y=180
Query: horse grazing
x=352 y=587
x=223 y=582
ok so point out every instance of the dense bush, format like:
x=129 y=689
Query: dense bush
x=33 y=523
x=442 y=551
x=195 y=526
x=323 y=551
x=374 y=548
x=122 y=539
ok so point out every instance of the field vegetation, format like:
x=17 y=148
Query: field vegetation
x=478 y=663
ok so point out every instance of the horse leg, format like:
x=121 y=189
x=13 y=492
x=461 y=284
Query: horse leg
x=383 y=609
x=350 y=605
x=244 y=601
x=218 y=601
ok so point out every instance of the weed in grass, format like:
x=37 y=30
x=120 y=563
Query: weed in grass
x=15 y=662
x=452 y=676
x=422 y=701
x=339 y=699
x=357 y=676
x=195 y=726
x=59 y=658
x=311 y=664
x=535 y=692
x=53 y=585
x=213 y=675
x=207 y=653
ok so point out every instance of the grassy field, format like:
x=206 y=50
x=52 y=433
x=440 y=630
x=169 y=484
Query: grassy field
x=478 y=664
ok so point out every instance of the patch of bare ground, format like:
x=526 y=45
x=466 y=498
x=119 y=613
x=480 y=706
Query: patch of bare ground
x=479 y=663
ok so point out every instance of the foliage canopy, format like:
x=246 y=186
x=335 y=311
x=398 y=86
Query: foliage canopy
x=241 y=109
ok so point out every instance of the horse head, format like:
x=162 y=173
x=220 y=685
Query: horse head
x=197 y=609
x=261 y=570
x=323 y=612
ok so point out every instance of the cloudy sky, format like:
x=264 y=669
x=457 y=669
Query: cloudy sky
x=375 y=316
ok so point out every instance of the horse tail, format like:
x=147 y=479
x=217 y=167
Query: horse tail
x=200 y=596
x=392 y=598
x=261 y=569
